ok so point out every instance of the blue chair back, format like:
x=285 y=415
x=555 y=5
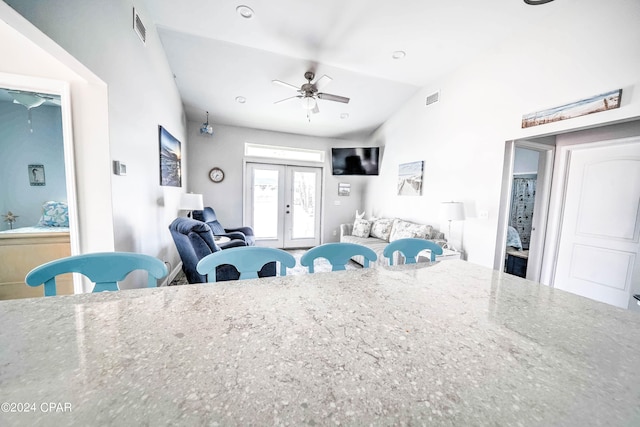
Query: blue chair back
x=194 y=240
x=209 y=216
x=410 y=248
x=248 y=260
x=338 y=254
x=105 y=269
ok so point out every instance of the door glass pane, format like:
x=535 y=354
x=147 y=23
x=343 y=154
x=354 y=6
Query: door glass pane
x=304 y=205
x=265 y=203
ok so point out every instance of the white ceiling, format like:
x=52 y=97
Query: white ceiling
x=216 y=55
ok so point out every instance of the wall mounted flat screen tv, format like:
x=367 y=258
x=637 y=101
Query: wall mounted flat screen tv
x=355 y=161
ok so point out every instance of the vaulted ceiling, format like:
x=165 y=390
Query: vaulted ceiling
x=217 y=55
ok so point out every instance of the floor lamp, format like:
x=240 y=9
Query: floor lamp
x=191 y=202
x=451 y=211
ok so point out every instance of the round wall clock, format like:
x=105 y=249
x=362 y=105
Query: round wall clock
x=216 y=175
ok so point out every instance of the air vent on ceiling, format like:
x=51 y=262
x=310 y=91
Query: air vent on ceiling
x=139 y=28
x=433 y=98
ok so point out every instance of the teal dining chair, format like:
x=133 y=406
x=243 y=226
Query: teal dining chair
x=248 y=260
x=104 y=269
x=410 y=247
x=338 y=255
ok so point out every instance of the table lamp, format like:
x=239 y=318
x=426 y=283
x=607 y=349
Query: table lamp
x=191 y=202
x=451 y=211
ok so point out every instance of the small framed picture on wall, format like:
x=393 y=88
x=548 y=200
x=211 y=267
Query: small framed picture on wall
x=344 y=189
x=36 y=175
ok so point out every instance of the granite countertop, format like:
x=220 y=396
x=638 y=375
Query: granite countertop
x=453 y=344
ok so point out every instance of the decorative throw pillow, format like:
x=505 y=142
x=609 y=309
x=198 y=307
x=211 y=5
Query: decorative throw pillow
x=513 y=238
x=381 y=228
x=361 y=228
x=405 y=229
x=54 y=214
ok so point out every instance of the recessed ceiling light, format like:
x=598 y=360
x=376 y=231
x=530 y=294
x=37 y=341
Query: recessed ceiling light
x=399 y=54
x=245 y=11
x=344 y=115
x=241 y=99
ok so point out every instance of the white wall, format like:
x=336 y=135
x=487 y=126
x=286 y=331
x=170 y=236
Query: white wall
x=21 y=147
x=462 y=137
x=225 y=149
x=141 y=95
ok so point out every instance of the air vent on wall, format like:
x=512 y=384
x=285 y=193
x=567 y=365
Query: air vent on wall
x=139 y=28
x=433 y=98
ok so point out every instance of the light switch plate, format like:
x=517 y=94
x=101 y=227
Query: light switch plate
x=119 y=168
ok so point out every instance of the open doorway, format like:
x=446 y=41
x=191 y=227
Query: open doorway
x=38 y=200
x=521 y=210
x=524 y=206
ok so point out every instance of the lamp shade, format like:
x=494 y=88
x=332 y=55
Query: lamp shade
x=191 y=202
x=452 y=211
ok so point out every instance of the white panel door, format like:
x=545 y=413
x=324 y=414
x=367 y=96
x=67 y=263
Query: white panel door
x=599 y=241
x=283 y=204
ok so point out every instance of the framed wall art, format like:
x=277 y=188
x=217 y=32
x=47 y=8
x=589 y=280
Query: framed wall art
x=36 y=175
x=594 y=104
x=344 y=189
x=410 y=179
x=170 y=159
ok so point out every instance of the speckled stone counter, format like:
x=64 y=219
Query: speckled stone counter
x=452 y=344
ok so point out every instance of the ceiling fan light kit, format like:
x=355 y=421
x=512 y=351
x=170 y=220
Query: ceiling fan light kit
x=206 y=128
x=309 y=93
x=309 y=103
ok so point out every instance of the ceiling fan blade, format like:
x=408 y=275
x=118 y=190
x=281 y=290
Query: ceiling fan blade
x=323 y=81
x=335 y=98
x=315 y=109
x=50 y=99
x=286 y=99
x=281 y=83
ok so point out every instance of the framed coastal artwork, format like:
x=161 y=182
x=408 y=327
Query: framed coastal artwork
x=594 y=104
x=170 y=159
x=344 y=189
x=410 y=179
x=36 y=175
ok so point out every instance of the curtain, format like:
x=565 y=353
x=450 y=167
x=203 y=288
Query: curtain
x=522 y=200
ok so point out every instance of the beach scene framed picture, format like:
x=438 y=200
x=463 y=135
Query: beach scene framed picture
x=594 y=104
x=410 y=179
x=170 y=159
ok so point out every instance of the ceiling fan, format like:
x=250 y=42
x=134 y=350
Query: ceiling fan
x=309 y=93
x=32 y=100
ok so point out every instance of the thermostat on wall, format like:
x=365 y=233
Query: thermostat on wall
x=119 y=168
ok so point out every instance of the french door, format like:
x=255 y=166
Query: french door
x=282 y=204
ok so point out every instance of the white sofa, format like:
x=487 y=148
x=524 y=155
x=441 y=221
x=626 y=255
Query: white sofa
x=377 y=233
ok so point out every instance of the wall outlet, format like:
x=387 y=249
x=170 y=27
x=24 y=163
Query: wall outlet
x=483 y=214
x=336 y=203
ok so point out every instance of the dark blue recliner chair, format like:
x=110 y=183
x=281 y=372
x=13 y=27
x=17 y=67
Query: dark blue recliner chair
x=209 y=216
x=194 y=240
